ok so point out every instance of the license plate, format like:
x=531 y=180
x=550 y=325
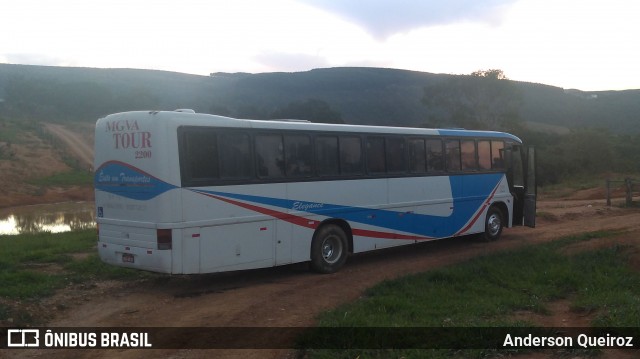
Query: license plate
x=127 y=258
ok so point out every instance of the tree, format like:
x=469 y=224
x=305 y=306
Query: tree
x=486 y=99
x=588 y=150
x=492 y=74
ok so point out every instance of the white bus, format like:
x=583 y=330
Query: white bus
x=181 y=192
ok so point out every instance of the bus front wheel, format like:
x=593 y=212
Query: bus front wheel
x=494 y=222
x=328 y=249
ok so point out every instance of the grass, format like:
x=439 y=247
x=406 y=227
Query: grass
x=483 y=292
x=11 y=130
x=573 y=184
x=26 y=263
x=34 y=266
x=8 y=131
x=69 y=178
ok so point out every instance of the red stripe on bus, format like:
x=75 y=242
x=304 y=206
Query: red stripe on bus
x=303 y=222
x=300 y=221
x=386 y=235
x=475 y=219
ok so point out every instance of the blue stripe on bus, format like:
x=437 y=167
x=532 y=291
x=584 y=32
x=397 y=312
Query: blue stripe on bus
x=125 y=180
x=469 y=195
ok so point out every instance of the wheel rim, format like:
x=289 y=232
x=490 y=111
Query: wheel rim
x=494 y=224
x=331 y=249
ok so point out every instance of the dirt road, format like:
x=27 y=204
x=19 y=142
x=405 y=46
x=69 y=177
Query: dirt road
x=80 y=146
x=285 y=296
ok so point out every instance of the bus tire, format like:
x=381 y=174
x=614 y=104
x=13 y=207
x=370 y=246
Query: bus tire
x=329 y=249
x=493 y=224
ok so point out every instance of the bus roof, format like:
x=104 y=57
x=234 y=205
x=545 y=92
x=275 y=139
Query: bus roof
x=187 y=118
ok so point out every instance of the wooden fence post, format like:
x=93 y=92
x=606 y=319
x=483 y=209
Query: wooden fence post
x=608 y=191
x=629 y=188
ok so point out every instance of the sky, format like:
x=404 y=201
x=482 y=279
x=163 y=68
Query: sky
x=583 y=44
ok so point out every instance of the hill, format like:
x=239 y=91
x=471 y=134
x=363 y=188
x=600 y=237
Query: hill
x=360 y=95
x=618 y=111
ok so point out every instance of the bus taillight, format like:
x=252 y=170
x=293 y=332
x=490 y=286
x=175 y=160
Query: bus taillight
x=164 y=239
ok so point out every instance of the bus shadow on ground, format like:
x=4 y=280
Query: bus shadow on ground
x=187 y=286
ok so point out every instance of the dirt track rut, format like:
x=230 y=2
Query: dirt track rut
x=80 y=147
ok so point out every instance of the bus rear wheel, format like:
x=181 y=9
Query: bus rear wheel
x=493 y=224
x=328 y=249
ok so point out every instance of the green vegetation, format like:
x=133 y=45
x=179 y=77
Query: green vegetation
x=371 y=96
x=22 y=256
x=487 y=100
x=571 y=184
x=33 y=266
x=11 y=130
x=484 y=291
x=70 y=178
x=8 y=131
x=311 y=110
x=484 y=100
x=604 y=136
x=592 y=182
x=583 y=155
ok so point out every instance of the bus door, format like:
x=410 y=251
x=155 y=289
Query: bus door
x=530 y=189
x=521 y=174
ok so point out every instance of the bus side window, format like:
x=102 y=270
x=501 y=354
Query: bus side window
x=497 y=155
x=484 y=155
x=298 y=155
x=468 y=155
x=235 y=156
x=327 y=159
x=202 y=155
x=417 y=155
x=375 y=155
x=453 y=155
x=350 y=155
x=270 y=156
x=435 y=159
x=395 y=152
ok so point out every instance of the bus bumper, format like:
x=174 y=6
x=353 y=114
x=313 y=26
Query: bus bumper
x=150 y=259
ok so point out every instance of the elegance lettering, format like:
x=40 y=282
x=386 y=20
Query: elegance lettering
x=304 y=206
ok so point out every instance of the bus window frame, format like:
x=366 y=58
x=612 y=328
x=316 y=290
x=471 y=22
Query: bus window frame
x=364 y=171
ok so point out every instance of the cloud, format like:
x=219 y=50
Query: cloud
x=383 y=18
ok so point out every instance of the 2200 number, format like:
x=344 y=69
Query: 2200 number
x=143 y=154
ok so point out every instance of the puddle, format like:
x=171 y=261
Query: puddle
x=54 y=218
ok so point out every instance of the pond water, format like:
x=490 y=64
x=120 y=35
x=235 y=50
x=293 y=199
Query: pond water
x=54 y=218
